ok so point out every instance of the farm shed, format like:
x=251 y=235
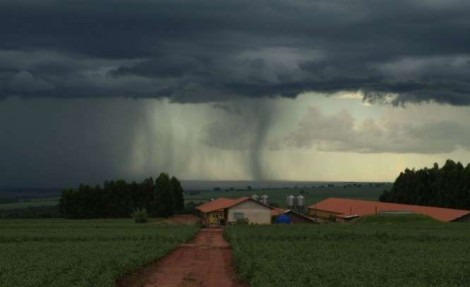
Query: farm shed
x=341 y=209
x=465 y=218
x=296 y=217
x=253 y=211
x=276 y=211
x=226 y=210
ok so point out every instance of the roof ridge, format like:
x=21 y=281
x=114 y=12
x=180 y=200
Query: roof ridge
x=364 y=207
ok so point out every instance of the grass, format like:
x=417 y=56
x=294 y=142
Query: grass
x=400 y=253
x=81 y=253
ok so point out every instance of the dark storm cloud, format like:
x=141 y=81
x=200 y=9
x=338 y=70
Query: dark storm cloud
x=195 y=51
x=53 y=143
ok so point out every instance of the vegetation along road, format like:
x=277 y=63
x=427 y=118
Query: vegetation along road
x=377 y=252
x=58 y=253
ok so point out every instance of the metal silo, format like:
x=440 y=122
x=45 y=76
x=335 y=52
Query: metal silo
x=264 y=199
x=300 y=202
x=290 y=201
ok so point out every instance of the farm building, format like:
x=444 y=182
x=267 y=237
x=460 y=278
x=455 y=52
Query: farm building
x=342 y=210
x=223 y=211
x=297 y=217
x=294 y=216
x=276 y=211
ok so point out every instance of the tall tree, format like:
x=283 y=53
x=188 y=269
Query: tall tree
x=164 y=206
x=178 y=199
x=448 y=186
x=118 y=198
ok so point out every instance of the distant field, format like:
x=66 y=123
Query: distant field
x=378 y=253
x=365 y=191
x=28 y=193
x=368 y=191
x=59 y=253
x=30 y=203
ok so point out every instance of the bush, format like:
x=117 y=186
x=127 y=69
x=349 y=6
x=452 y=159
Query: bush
x=140 y=215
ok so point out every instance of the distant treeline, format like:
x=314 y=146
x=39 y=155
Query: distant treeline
x=162 y=197
x=448 y=186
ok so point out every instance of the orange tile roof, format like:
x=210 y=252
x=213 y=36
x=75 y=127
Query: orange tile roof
x=344 y=206
x=220 y=203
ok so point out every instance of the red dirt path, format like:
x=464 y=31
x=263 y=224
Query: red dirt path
x=204 y=261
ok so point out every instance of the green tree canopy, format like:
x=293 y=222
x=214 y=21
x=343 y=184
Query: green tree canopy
x=118 y=199
x=448 y=186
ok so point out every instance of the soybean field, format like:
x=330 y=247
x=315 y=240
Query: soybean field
x=81 y=253
x=422 y=253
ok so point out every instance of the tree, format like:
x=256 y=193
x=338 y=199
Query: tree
x=117 y=199
x=178 y=199
x=448 y=186
x=164 y=206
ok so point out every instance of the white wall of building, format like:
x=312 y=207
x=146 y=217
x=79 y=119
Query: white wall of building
x=253 y=211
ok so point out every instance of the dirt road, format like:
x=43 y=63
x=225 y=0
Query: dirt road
x=205 y=261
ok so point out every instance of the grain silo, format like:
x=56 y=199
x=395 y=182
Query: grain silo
x=290 y=201
x=264 y=199
x=300 y=203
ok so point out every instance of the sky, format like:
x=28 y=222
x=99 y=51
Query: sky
x=231 y=90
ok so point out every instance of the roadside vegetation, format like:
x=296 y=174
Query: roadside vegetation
x=59 y=253
x=402 y=253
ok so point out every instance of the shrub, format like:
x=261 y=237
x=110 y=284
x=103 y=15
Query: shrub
x=140 y=215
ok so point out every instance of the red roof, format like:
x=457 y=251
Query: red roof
x=345 y=207
x=219 y=204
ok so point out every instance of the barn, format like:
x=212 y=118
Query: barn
x=297 y=217
x=342 y=210
x=223 y=211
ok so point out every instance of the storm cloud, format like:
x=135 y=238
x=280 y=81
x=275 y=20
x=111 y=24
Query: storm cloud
x=215 y=82
x=200 y=51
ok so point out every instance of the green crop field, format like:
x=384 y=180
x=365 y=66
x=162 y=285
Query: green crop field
x=366 y=191
x=81 y=253
x=373 y=253
x=30 y=203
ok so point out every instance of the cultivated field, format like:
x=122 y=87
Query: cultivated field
x=422 y=253
x=81 y=253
